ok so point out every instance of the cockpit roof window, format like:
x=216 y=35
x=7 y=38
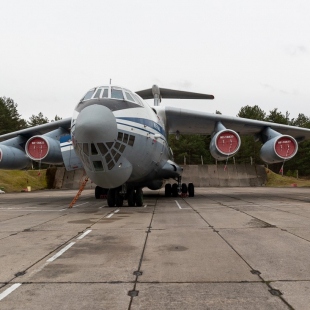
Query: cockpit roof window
x=89 y=94
x=117 y=94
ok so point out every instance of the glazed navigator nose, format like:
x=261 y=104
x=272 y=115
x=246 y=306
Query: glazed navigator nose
x=95 y=123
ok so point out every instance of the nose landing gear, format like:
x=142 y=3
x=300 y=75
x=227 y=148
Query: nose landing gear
x=179 y=188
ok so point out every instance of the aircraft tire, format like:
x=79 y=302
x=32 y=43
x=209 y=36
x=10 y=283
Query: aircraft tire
x=191 y=190
x=119 y=199
x=174 y=190
x=131 y=197
x=111 y=198
x=168 y=190
x=97 y=192
x=184 y=188
x=139 y=197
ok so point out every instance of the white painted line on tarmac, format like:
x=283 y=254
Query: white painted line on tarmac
x=25 y=210
x=84 y=234
x=80 y=204
x=75 y=206
x=61 y=252
x=111 y=214
x=9 y=290
x=180 y=206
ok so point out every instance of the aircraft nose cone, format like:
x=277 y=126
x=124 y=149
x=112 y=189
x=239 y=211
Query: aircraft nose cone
x=95 y=123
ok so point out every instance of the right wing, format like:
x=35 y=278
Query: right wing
x=196 y=122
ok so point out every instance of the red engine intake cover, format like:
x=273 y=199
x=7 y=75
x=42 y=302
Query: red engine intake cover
x=37 y=148
x=227 y=142
x=285 y=147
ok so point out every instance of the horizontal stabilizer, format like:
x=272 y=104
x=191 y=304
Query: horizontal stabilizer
x=172 y=94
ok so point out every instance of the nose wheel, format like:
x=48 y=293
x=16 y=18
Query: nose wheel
x=177 y=188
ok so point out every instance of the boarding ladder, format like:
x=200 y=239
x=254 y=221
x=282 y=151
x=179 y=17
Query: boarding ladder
x=78 y=193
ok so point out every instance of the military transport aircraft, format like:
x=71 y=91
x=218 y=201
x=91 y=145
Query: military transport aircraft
x=121 y=141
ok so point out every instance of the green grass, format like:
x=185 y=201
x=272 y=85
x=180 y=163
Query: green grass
x=17 y=180
x=277 y=180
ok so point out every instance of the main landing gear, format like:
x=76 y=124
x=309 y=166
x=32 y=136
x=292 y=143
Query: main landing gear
x=176 y=188
x=116 y=196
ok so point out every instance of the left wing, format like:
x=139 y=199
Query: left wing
x=48 y=143
x=39 y=130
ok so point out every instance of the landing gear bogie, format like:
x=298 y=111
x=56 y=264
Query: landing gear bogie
x=177 y=188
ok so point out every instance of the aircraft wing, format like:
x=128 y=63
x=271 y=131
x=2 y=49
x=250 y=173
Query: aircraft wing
x=39 y=130
x=196 y=122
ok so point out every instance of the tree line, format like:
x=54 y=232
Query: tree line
x=10 y=119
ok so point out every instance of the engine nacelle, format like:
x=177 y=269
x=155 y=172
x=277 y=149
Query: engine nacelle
x=224 y=144
x=279 y=149
x=44 y=149
x=13 y=158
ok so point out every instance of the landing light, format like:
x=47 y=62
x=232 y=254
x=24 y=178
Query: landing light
x=120 y=165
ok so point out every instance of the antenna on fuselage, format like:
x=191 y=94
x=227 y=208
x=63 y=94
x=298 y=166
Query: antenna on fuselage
x=110 y=91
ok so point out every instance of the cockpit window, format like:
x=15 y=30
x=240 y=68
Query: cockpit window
x=105 y=93
x=117 y=94
x=129 y=97
x=138 y=100
x=97 y=94
x=89 y=94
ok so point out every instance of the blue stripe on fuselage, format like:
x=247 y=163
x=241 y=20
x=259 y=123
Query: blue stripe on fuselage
x=146 y=122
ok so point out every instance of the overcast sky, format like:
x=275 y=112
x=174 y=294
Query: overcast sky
x=243 y=52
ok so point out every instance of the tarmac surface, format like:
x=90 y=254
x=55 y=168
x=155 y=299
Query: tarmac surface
x=226 y=248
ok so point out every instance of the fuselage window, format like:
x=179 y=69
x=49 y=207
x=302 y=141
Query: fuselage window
x=116 y=158
x=85 y=148
x=108 y=158
x=105 y=93
x=103 y=149
x=131 y=140
x=89 y=94
x=97 y=94
x=93 y=149
x=125 y=138
x=98 y=165
x=129 y=97
x=111 y=165
x=122 y=148
x=117 y=94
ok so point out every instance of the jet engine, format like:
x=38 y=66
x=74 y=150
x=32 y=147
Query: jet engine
x=13 y=158
x=44 y=149
x=225 y=143
x=279 y=149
